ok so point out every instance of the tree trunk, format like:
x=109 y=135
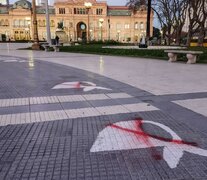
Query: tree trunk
x=148 y=21
x=169 y=36
x=189 y=36
x=201 y=36
x=178 y=35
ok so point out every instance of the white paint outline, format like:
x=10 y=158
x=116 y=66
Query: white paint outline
x=80 y=84
x=111 y=139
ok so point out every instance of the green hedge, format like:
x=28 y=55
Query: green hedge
x=145 y=53
x=97 y=49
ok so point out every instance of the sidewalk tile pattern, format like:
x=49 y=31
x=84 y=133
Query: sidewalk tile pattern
x=31 y=117
x=48 y=134
x=197 y=105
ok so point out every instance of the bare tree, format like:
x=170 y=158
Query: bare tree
x=180 y=8
x=149 y=7
x=171 y=15
x=135 y=4
x=201 y=19
x=197 y=14
x=164 y=12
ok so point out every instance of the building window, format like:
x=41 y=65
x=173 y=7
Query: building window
x=43 y=23
x=80 y=11
x=118 y=26
x=6 y=22
x=39 y=23
x=61 y=10
x=52 y=23
x=2 y=22
x=136 y=25
x=126 y=26
x=141 y=25
x=99 y=11
x=21 y=23
x=26 y=23
x=16 y=23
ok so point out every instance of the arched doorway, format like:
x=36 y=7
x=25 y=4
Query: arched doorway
x=81 y=31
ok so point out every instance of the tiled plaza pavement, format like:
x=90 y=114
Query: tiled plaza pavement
x=83 y=131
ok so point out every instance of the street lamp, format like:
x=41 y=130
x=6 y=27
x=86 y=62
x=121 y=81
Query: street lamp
x=91 y=35
x=109 y=27
x=47 y=21
x=88 y=6
x=101 y=20
x=161 y=34
x=118 y=33
x=35 y=45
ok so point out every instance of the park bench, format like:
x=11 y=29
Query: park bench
x=191 y=55
x=46 y=46
x=55 y=47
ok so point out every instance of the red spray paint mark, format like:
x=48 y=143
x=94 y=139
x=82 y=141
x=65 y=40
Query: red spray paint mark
x=77 y=86
x=139 y=132
x=155 y=154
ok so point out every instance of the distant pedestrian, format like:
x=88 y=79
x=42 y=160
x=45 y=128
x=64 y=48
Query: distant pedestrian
x=57 y=40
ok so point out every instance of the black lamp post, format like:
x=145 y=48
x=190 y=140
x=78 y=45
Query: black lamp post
x=35 y=45
x=148 y=21
x=88 y=6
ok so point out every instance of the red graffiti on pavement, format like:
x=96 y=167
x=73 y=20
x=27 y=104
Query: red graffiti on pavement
x=144 y=136
x=77 y=85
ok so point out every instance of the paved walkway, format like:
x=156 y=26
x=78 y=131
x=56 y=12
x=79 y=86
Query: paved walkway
x=77 y=116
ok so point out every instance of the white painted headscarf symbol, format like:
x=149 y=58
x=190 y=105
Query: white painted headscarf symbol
x=87 y=86
x=14 y=60
x=111 y=139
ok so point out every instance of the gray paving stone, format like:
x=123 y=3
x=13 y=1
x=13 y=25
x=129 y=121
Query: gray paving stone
x=61 y=149
x=75 y=105
x=48 y=107
x=13 y=110
x=107 y=102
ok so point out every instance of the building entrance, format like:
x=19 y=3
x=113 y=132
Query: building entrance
x=81 y=31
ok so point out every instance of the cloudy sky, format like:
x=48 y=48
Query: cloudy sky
x=116 y=2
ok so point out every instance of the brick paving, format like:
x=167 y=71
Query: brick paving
x=48 y=133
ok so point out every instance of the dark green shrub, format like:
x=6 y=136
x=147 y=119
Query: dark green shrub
x=106 y=42
x=146 y=53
